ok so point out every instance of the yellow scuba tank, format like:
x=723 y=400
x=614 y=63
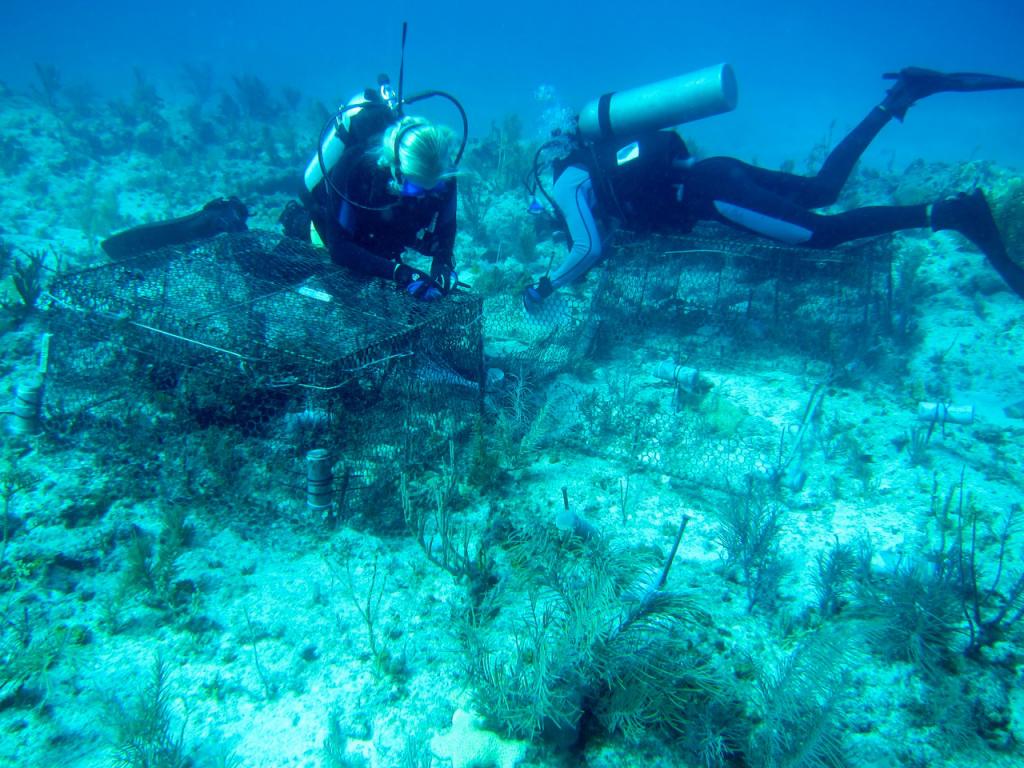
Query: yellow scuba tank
x=680 y=99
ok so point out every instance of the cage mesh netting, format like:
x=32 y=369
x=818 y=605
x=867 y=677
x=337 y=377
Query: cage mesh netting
x=718 y=296
x=262 y=337
x=262 y=334
x=715 y=301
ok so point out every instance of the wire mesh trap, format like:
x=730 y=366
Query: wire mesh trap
x=715 y=297
x=715 y=300
x=262 y=335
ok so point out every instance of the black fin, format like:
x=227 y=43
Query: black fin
x=914 y=83
x=221 y=215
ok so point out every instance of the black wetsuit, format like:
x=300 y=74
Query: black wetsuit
x=653 y=185
x=366 y=226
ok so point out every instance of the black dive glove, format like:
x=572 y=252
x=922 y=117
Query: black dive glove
x=417 y=284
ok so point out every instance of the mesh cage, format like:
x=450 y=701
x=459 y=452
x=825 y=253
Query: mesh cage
x=714 y=300
x=723 y=297
x=261 y=334
x=714 y=297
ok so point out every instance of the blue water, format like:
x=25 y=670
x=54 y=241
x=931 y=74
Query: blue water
x=801 y=65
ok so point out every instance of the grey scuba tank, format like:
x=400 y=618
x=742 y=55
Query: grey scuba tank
x=681 y=99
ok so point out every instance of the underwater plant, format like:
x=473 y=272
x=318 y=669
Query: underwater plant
x=31 y=639
x=152 y=568
x=916 y=441
x=197 y=79
x=49 y=86
x=6 y=256
x=835 y=572
x=749 y=527
x=916 y=617
x=13 y=155
x=143 y=106
x=147 y=734
x=254 y=98
x=600 y=646
x=27 y=277
x=30 y=646
x=528 y=420
x=993 y=598
x=474 y=201
x=934 y=597
x=365 y=588
x=797 y=706
x=449 y=540
x=502 y=156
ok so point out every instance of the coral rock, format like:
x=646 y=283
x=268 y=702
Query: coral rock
x=469 y=746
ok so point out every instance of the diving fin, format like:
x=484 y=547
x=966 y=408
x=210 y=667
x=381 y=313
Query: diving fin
x=220 y=215
x=914 y=83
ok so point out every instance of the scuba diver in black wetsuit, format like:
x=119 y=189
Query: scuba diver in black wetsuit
x=380 y=183
x=652 y=184
x=390 y=186
x=388 y=205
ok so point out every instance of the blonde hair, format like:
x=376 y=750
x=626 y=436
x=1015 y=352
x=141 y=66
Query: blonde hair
x=423 y=151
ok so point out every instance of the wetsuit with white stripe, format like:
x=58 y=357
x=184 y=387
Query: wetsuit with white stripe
x=659 y=189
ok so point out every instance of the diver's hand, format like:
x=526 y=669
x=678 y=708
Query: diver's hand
x=443 y=273
x=417 y=284
x=535 y=294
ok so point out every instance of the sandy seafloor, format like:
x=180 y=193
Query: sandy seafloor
x=268 y=661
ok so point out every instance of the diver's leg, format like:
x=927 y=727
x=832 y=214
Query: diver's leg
x=217 y=216
x=720 y=189
x=840 y=162
x=823 y=189
x=724 y=189
x=911 y=84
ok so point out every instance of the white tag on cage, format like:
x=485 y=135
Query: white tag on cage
x=313 y=293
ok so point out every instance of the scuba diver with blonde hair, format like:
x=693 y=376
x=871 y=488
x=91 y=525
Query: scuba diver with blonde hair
x=391 y=188
x=624 y=168
x=382 y=182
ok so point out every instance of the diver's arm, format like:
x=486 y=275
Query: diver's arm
x=443 y=247
x=337 y=218
x=574 y=195
x=343 y=250
x=348 y=254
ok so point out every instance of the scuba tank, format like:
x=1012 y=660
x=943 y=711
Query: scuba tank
x=365 y=115
x=652 y=107
x=647 y=108
x=362 y=116
x=356 y=122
